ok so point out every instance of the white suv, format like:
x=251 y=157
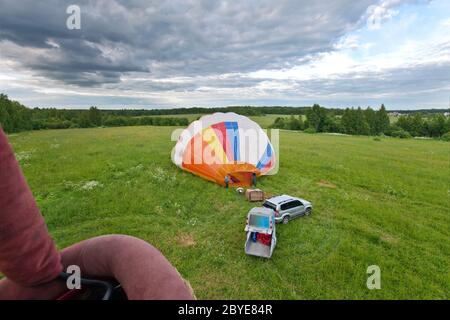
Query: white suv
x=287 y=207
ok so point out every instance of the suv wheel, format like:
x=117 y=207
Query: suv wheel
x=285 y=219
x=307 y=211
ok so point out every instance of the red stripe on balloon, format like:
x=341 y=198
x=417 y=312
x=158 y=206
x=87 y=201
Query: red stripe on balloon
x=221 y=133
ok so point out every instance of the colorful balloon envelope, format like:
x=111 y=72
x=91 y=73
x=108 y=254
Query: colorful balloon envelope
x=225 y=147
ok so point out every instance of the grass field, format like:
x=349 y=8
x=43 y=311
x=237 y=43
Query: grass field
x=375 y=202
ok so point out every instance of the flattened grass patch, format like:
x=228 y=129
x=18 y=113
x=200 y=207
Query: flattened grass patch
x=186 y=240
x=326 y=184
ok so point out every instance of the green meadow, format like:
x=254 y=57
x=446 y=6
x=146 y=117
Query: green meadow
x=378 y=202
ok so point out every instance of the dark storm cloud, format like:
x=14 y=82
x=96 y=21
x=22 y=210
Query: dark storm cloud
x=174 y=38
x=190 y=84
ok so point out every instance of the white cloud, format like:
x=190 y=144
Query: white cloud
x=446 y=24
x=348 y=42
x=377 y=14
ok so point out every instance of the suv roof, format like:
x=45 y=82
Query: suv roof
x=281 y=199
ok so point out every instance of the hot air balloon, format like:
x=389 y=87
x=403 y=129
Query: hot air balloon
x=225 y=146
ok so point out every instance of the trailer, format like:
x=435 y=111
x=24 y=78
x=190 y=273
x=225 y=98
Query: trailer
x=261 y=234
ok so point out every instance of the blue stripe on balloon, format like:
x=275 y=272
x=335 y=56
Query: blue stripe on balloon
x=233 y=137
x=266 y=157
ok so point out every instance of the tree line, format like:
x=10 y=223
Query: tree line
x=367 y=122
x=245 y=110
x=15 y=117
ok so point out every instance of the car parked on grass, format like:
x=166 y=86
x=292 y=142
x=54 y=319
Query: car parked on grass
x=287 y=207
x=261 y=235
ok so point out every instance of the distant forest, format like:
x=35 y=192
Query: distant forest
x=368 y=122
x=15 y=117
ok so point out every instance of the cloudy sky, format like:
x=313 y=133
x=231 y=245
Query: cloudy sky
x=183 y=53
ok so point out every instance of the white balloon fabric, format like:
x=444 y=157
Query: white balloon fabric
x=226 y=148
